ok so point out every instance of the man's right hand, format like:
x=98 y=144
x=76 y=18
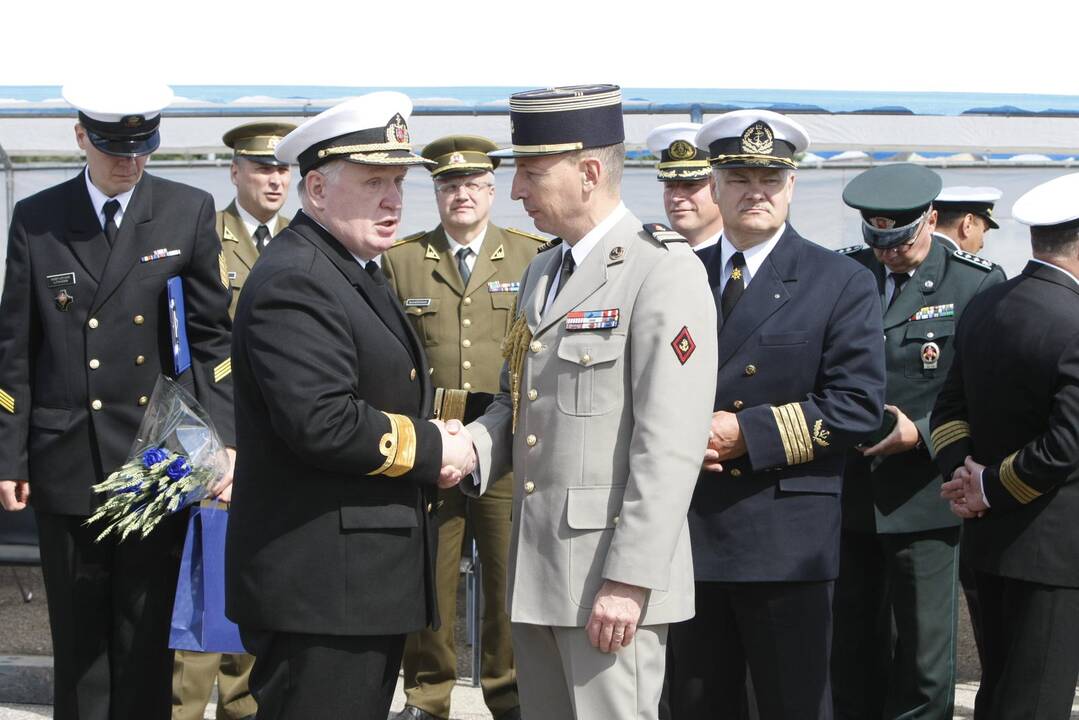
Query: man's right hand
x=458 y=456
x=14 y=494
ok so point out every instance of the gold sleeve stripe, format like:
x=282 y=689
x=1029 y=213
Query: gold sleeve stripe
x=406 y=448
x=223 y=370
x=949 y=433
x=450 y=404
x=1011 y=482
x=781 y=425
x=794 y=433
x=7 y=402
x=398 y=446
x=805 y=440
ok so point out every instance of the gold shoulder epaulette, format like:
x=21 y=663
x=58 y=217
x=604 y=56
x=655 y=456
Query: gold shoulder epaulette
x=663 y=234
x=530 y=236
x=850 y=250
x=411 y=238
x=553 y=242
x=970 y=259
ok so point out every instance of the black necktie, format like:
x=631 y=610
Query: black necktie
x=462 y=263
x=568 y=265
x=900 y=280
x=372 y=269
x=110 y=221
x=736 y=284
x=262 y=237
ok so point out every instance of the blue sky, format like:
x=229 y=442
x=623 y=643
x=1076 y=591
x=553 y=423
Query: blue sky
x=915 y=45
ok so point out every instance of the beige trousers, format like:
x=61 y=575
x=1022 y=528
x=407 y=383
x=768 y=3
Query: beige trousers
x=560 y=676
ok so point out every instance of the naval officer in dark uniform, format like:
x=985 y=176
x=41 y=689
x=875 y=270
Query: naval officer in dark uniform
x=893 y=655
x=84 y=334
x=685 y=173
x=1006 y=431
x=329 y=560
x=801 y=380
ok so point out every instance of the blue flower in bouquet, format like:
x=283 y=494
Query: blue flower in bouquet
x=153 y=456
x=178 y=468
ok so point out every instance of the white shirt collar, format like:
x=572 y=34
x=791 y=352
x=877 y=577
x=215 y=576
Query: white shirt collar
x=98 y=200
x=708 y=243
x=1057 y=267
x=251 y=223
x=584 y=246
x=474 y=246
x=592 y=237
x=754 y=256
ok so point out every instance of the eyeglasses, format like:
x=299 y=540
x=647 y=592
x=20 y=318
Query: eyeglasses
x=471 y=188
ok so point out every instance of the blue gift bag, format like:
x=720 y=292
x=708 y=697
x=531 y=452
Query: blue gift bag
x=198 y=615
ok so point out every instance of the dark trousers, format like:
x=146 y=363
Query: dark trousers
x=781 y=630
x=893 y=652
x=302 y=677
x=110 y=608
x=1031 y=637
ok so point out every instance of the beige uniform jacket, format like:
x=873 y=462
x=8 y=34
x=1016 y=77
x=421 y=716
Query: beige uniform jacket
x=461 y=328
x=611 y=431
x=239 y=248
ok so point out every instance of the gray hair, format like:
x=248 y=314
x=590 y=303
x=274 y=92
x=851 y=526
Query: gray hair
x=330 y=171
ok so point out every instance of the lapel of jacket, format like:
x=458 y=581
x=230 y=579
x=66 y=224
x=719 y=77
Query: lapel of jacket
x=133 y=240
x=234 y=236
x=537 y=298
x=84 y=234
x=765 y=295
x=919 y=289
x=592 y=273
x=491 y=253
x=376 y=296
x=438 y=252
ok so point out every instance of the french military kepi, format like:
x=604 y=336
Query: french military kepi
x=257 y=141
x=894 y=201
x=120 y=118
x=367 y=130
x=753 y=139
x=460 y=155
x=679 y=159
x=557 y=120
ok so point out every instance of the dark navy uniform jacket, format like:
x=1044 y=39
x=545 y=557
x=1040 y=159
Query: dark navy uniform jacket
x=1011 y=400
x=330 y=530
x=801 y=362
x=84 y=332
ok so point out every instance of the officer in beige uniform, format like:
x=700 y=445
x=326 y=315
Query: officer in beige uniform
x=262 y=182
x=603 y=414
x=458 y=284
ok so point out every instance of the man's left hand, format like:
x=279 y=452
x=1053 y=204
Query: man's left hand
x=615 y=613
x=903 y=436
x=223 y=489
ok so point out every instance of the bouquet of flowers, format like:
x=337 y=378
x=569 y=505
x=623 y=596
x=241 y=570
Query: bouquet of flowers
x=175 y=461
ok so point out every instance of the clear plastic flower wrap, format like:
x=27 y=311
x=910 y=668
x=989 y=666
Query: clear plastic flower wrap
x=176 y=459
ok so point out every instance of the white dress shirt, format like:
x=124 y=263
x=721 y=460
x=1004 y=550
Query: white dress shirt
x=584 y=246
x=474 y=246
x=98 y=199
x=754 y=256
x=251 y=224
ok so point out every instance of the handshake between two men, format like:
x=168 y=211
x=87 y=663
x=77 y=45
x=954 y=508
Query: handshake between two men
x=458 y=453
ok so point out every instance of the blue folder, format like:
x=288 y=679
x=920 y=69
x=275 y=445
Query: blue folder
x=181 y=352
